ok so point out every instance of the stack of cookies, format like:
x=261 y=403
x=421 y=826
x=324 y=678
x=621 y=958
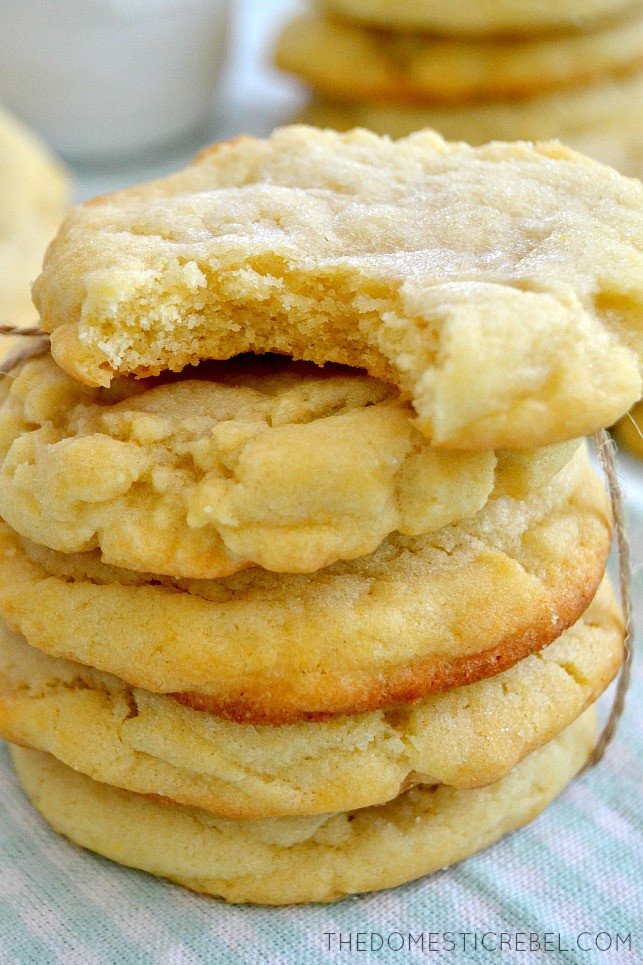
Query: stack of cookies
x=478 y=71
x=302 y=561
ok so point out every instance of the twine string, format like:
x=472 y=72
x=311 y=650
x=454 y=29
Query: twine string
x=39 y=345
x=32 y=331
x=606 y=450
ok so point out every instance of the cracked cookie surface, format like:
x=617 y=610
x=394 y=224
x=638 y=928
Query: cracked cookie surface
x=500 y=288
x=255 y=461
x=284 y=860
x=468 y=737
x=419 y=615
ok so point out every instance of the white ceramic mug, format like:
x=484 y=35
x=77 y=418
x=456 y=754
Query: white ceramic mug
x=110 y=77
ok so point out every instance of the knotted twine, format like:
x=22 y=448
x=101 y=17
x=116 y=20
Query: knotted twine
x=606 y=451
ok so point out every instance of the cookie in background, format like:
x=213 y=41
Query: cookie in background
x=505 y=18
x=34 y=195
x=499 y=72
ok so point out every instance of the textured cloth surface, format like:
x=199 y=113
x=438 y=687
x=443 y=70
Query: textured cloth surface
x=576 y=869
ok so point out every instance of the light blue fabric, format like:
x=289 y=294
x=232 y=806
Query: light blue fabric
x=576 y=869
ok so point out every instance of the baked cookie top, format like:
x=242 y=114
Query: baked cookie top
x=468 y=737
x=421 y=614
x=501 y=287
x=258 y=460
x=384 y=66
x=481 y=17
x=34 y=194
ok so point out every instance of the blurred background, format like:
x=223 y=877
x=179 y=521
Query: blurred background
x=127 y=89
x=123 y=90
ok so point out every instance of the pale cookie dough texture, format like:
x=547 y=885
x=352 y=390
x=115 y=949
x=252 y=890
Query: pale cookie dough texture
x=499 y=287
x=467 y=737
x=321 y=858
x=403 y=68
x=421 y=614
x=259 y=461
x=481 y=17
x=34 y=195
